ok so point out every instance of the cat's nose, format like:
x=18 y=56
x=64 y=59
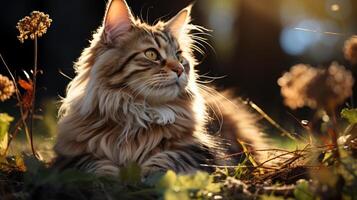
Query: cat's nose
x=175 y=67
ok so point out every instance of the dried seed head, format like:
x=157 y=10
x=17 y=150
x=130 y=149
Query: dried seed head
x=293 y=85
x=7 y=88
x=350 y=50
x=330 y=87
x=33 y=26
x=316 y=88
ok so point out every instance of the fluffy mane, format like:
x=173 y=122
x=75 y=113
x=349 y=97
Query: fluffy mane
x=119 y=124
x=135 y=98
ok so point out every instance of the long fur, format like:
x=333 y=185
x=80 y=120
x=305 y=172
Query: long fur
x=113 y=116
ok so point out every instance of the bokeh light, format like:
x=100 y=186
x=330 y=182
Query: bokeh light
x=339 y=9
x=296 y=42
x=311 y=32
x=335 y=7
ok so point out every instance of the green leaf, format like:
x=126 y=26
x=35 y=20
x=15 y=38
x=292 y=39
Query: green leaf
x=181 y=187
x=350 y=115
x=5 y=120
x=176 y=195
x=168 y=180
x=271 y=197
x=302 y=191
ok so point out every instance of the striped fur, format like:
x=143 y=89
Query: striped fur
x=123 y=107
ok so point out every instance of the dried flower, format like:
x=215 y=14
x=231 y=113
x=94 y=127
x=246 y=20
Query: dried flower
x=330 y=87
x=293 y=85
x=350 y=50
x=7 y=88
x=304 y=85
x=33 y=26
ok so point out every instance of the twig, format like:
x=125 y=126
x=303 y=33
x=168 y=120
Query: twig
x=235 y=166
x=285 y=190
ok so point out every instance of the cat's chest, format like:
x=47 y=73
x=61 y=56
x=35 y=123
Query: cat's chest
x=169 y=116
x=162 y=115
x=154 y=139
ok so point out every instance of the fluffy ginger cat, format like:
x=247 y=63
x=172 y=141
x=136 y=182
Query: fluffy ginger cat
x=135 y=99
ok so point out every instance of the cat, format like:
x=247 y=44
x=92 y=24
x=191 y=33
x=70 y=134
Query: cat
x=135 y=99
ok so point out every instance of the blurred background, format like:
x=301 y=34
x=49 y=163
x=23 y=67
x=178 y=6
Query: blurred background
x=254 y=41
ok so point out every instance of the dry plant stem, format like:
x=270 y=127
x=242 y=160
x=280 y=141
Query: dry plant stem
x=270 y=120
x=296 y=152
x=248 y=154
x=14 y=133
x=235 y=166
x=285 y=190
x=306 y=149
x=16 y=130
x=18 y=95
x=334 y=135
x=34 y=78
x=241 y=153
x=18 y=98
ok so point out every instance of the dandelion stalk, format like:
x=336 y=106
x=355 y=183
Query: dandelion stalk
x=33 y=100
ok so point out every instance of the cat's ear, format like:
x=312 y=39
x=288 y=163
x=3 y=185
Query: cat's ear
x=117 y=20
x=179 y=23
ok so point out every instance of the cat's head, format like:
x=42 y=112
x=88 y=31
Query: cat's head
x=153 y=62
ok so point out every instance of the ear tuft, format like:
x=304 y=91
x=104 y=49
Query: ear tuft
x=117 y=20
x=178 y=24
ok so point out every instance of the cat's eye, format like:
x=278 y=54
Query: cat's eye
x=152 y=54
x=180 y=58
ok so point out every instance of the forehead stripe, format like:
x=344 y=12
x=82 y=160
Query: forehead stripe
x=169 y=36
x=132 y=56
x=163 y=36
x=124 y=79
x=136 y=71
x=157 y=41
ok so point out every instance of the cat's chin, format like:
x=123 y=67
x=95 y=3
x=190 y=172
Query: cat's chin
x=163 y=95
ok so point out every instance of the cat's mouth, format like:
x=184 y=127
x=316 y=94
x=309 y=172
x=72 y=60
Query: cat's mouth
x=173 y=83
